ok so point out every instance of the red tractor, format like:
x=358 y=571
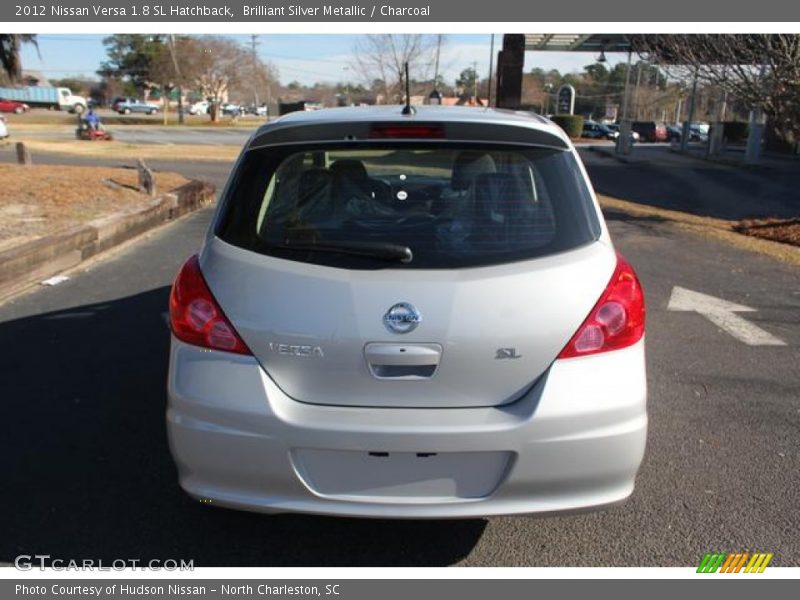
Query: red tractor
x=92 y=134
x=91 y=129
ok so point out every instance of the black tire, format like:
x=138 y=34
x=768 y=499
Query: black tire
x=126 y=111
x=78 y=109
x=151 y=112
x=18 y=110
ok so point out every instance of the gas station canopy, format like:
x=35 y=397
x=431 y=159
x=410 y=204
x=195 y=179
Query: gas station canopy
x=577 y=42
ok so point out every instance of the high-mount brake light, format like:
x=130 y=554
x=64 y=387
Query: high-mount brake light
x=406 y=132
x=195 y=316
x=617 y=319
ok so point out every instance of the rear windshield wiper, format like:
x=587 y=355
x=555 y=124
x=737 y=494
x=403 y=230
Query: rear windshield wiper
x=378 y=250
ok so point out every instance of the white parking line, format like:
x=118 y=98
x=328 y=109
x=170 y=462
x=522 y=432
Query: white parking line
x=722 y=314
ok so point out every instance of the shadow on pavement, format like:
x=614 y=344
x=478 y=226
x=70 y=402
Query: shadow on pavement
x=88 y=473
x=677 y=183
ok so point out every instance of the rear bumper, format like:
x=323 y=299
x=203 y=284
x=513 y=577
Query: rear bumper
x=574 y=442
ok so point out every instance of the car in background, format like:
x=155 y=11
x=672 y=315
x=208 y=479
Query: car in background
x=231 y=109
x=614 y=129
x=598 y=131
x=650 y=131
x=674 y=132
x=119 y=100
x=698 y=132
x=407 y=316
x=252 y=109
x=3 y=128
x=13 y=106
x=131 y=105
x=197 y=108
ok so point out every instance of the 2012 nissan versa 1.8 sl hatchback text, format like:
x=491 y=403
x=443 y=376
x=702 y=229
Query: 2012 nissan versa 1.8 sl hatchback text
x=407 y=316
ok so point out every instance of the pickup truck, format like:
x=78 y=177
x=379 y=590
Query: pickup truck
x=59 y=98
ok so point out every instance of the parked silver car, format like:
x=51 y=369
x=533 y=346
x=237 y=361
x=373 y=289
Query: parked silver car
x=136 y=106
x=407 y=316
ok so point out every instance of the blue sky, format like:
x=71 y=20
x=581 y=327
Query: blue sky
x=305 y=58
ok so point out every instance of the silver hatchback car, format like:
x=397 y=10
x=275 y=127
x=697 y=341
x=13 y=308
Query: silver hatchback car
x=408 y=316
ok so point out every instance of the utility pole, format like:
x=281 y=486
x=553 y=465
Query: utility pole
x=636 y=91
x=348 y=99
x=253 y=44
x=475 y=72
x=756 y=127
x=174 y=57
x=436 y=67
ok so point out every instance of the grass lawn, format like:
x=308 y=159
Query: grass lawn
x=41 y=199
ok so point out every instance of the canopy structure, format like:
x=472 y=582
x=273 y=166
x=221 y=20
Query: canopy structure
x=511 y=59
x=578 y=42
x=511 y=62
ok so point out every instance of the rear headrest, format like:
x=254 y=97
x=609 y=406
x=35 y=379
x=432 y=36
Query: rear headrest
x=350 y=168
x=313 y=183
x=469 y=164
x=500 y=196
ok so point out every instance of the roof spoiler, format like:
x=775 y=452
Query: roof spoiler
x=364 y=131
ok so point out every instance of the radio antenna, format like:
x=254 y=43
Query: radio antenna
x=408 y=109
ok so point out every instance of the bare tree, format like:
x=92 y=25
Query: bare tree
x=215 y=66
x=761 y=70
x=261 y=77
x=381 y=58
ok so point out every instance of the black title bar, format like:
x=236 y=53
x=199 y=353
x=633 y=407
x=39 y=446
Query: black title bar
x=401 y=11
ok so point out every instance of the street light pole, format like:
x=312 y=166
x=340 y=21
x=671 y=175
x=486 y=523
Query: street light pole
x=491 y=71
x=624 y=139
x=687 y=125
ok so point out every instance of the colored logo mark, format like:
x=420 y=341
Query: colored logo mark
x=734 y=562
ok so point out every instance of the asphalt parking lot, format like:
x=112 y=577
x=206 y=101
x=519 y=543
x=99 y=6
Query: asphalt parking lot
x=88 y=473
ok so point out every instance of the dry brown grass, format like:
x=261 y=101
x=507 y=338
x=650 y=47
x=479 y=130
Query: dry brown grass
x=41 y=199
x=121 y=150
x=786 y=231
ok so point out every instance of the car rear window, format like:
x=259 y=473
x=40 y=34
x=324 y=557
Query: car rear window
x=451 y=205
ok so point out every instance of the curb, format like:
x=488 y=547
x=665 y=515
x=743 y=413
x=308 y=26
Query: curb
x=611 y=153
x=41 y=258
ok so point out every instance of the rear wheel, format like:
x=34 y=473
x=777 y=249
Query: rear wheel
x=126 y=111
x=18 y=110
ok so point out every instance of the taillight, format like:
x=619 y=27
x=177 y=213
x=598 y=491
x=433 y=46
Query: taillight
x=616 y=321
x=195 y=316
